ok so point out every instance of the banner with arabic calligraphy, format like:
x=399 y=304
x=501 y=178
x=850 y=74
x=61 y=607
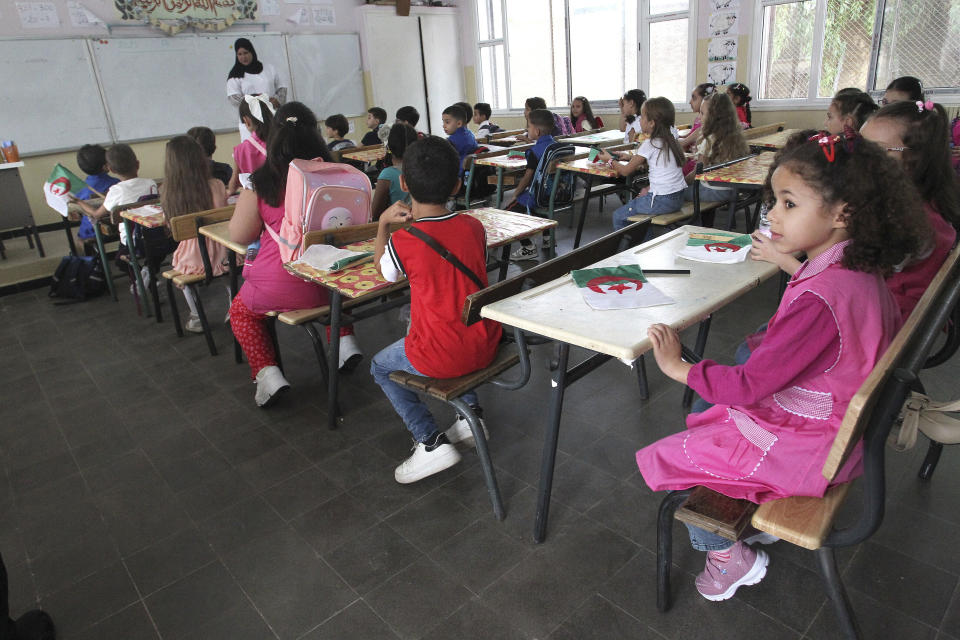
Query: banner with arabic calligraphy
x=172 y=16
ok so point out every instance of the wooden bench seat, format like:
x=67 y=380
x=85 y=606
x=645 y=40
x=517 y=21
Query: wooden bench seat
x=448 y=388
x=183 y=279
x=686 y=212
x=299 y=316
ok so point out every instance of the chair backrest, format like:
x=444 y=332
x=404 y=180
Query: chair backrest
x=507 y=134
x=756 y=132
x=585 y=256
x=340 y=236
x=185 y=227
x=908 y=350
x=145 y=200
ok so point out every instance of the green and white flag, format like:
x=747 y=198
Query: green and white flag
x=718 y=247
x=61 y=182
x=623 y=287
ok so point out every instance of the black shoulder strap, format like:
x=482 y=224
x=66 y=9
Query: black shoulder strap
x=445 y=254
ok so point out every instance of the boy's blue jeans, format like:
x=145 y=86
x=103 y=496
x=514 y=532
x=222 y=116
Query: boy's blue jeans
x=411 y=409
x=703 y=540
x=649 y=203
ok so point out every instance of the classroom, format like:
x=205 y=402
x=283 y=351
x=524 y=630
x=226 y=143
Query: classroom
x=456 y=319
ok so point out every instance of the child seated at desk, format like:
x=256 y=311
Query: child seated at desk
x=408 y=115
x=481 y=117
x=208 y=142
x=849 y=108
x=388 y=188
x=267 y=286
x=92 y=160
x=581 y=113
x=740 y=94
x=845 y=204
x=256 y=114
x=455 y=126
x=188 y=187
x=539 y=129
x=376 y=116
x=721 y=140
x=122 y=161
x=438 y=344
x=630 y=106
x=335 y=130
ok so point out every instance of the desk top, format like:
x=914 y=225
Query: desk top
x=583 y=165
x=368 y=155
x=773 y=140
x=557 y=309
x=11 y=165
x=596 y=138
x=149 y=216
x=220 y=233
x=502 y=227
x=505 y=161
x=752 y=171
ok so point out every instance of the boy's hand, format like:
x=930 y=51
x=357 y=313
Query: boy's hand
x=72 y=198
x=666 y=351
x=398 y=212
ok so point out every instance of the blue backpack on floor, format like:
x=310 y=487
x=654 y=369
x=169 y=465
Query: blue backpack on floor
x=77 y=279
x=542 y=183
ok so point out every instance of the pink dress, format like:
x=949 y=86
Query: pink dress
x=909 y=284
x=770 y=443
x=267 y=286
x=187 y=258
x=250 y=154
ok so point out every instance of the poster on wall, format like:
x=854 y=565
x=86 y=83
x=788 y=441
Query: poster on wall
x=173 y=16
x=722 y=5
x=721 y=49
x=721 y=73
x=724 y=23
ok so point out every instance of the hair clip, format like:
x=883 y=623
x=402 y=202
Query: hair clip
x=292 y=119
x=928 y=105
x=709 y=89
x=255 y=103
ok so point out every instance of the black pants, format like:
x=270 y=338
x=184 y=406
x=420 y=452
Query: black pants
x=6 y=624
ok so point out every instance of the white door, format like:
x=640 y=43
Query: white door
x=444 y=72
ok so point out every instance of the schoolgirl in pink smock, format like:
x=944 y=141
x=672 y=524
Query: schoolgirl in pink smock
x=844 y=203
x=256 y=115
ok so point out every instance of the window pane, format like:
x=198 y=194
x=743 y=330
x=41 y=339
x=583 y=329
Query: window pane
x=538 y=54
x=497 y=19
x=786 y=50
x=617 y=20
x=668 y=59
x=493 y=77
x=658 y=7
x=920 y=38
x=483 y=20
x=847 y=43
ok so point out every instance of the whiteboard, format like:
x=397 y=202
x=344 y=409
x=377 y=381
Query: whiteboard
x=157 y=87
x=50 y=99
x=326 y=74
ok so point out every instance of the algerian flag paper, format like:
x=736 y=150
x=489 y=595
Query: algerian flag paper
x=718 y=247
x=623 y=287
x=61 y=182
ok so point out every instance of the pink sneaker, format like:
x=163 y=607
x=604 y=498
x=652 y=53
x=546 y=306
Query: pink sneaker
x=727 y=570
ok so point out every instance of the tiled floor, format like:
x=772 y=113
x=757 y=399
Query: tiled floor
x=143 y=495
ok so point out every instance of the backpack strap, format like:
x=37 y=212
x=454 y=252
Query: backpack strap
x=446 y=255
x=259 y=147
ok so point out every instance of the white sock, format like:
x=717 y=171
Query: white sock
x=191 y=301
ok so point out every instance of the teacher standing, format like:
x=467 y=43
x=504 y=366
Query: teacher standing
x=249 y=76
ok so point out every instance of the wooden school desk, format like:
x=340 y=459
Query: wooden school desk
x=148 y=220
x=742 y=175
x=14 y=208
x=360 y=283
x=366 y=155
x=504 y=164
x=772 y=141
x=589 y=171
x=556 y=310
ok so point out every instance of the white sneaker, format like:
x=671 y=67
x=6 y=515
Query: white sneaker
x=761 y=537
x=145 y=276
x=270 y=384
x=193 y=324
x=425 y=463
x=460 y=431
x=226 y=318
x=525 y=252
x=350 y=354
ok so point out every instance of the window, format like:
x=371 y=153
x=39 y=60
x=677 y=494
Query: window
x=810 y=49
x=559 y=49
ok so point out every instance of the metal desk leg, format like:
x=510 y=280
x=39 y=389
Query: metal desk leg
x=583 y=210
x=135 y=264
x=36 y=234
x=504 y=263
x=234 y=278
x=550 y=445
x=152 y=287
x=70 y=242
x=698 y=349
x=103 y=259
x=499 y=187
x=333 y=355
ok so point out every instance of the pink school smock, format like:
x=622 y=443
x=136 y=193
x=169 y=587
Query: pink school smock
x=774 y=446
x=267 y=286
x=909 y=284
x=250 y=154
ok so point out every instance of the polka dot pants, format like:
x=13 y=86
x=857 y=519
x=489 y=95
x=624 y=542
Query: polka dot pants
x=250 y=330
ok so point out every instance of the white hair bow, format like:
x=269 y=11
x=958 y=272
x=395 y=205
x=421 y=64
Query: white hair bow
x=255 y=103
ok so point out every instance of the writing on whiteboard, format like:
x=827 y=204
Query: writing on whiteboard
x=38 y=15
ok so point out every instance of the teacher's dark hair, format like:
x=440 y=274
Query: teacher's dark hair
x=238 y=69
x=293 y=135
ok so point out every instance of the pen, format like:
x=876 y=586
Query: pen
x=667 y=272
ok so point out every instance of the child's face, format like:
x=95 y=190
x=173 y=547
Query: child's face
x=533 y=131
x=646 y=125
x=329 y=133
x=800 y=220
x=834 y=122
x=576 y=109
x=372 y=122
x=478 y=117
x=695 y=101
x=248 y=123
x=887 y=133
x=628 y=108
x=450 y=124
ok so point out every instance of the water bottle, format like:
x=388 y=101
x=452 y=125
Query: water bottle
x=252 y=250
x=763 y=225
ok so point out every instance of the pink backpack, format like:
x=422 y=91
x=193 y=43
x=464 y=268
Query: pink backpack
x=320 y=195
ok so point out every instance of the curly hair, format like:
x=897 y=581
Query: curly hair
x=721 y=128
x=925 y=133
x=742 y=93
x=882 y=210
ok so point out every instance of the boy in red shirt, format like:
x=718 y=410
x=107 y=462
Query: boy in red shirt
x=438 y=344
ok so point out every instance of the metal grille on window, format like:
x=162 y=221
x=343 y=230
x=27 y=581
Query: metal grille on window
x=847 y=44
x=787 y=49
x=920 y=38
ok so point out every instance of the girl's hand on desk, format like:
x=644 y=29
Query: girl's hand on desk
x=666 y=350
x=606 y=156
x=398 y=212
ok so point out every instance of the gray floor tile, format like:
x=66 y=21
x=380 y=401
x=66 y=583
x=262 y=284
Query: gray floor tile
x=356 y=621
x=598 y=619
x=132 y=623
x=372 y=557
x=333 y=523
x=92 y=599
x=188 y=603
x=169 y=560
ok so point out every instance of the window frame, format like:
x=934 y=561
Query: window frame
x=813 y=101
x=644 y=18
